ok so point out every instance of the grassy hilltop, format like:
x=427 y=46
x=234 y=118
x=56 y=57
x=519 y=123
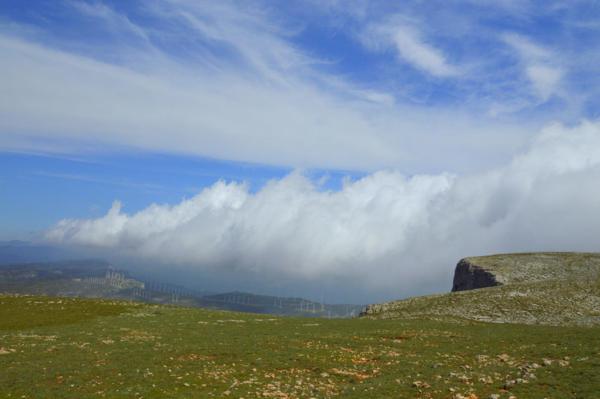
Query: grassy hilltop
x=79 y=348
x=540 y=266
x=535 y=288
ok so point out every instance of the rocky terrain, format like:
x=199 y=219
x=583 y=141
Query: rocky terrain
x=535 y=288
x=487 y=271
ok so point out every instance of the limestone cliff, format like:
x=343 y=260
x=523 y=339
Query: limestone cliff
x=468 y=276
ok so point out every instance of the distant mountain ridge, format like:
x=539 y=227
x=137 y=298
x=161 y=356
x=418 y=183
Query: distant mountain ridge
x=533 y=288
x=99 y=279
x=247 y=302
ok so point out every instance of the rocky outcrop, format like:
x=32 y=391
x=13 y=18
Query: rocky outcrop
x=372 y=309
x=551 y=288
x=468 y=276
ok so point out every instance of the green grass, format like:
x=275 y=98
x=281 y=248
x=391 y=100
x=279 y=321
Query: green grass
x=19 y=313
x=71 y=348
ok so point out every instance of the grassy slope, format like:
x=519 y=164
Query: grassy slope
x=556 y=302
x=540 y=288
x=73 y=348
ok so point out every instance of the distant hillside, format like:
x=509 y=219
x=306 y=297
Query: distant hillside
x=98 y=279
x=535 y=288
x=246 y=302
x=76 y=278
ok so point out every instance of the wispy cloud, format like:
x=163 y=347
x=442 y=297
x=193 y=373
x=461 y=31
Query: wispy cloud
x=408 y=87
x=113 y=19
x=232 y=86
x=414 y=50
x=150 y=187
x=409 y=45
x=540 y=66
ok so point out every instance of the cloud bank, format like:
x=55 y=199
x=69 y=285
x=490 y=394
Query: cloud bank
x=391 y=234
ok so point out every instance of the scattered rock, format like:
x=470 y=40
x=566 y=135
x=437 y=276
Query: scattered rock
x=6 y=351
x=504 y=357
x=486 y=380
x=509 y=383
x=547 y=362
x=421 y=384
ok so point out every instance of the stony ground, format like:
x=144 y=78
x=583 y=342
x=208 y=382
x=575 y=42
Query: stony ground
x=73 y=348
x=556 y=302
x=540 y=266
x=550 y=288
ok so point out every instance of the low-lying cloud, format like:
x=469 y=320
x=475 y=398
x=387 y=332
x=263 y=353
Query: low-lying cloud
x=390 y=234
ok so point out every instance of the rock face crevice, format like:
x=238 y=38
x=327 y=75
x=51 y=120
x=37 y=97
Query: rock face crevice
x=468 y=276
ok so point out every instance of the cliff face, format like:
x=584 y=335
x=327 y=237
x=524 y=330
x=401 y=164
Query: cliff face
x=468 y=276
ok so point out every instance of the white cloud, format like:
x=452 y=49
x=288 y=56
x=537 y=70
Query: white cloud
x=59 y=99
x=545 y=79
x=391 y=234
x=115 y=20
x=404 y=37
x=412 y=49
x=63 y=97
x=540 y=66
x=241 y=81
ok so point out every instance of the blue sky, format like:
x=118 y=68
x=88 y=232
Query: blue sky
x=350 y=110
x=38 y=190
